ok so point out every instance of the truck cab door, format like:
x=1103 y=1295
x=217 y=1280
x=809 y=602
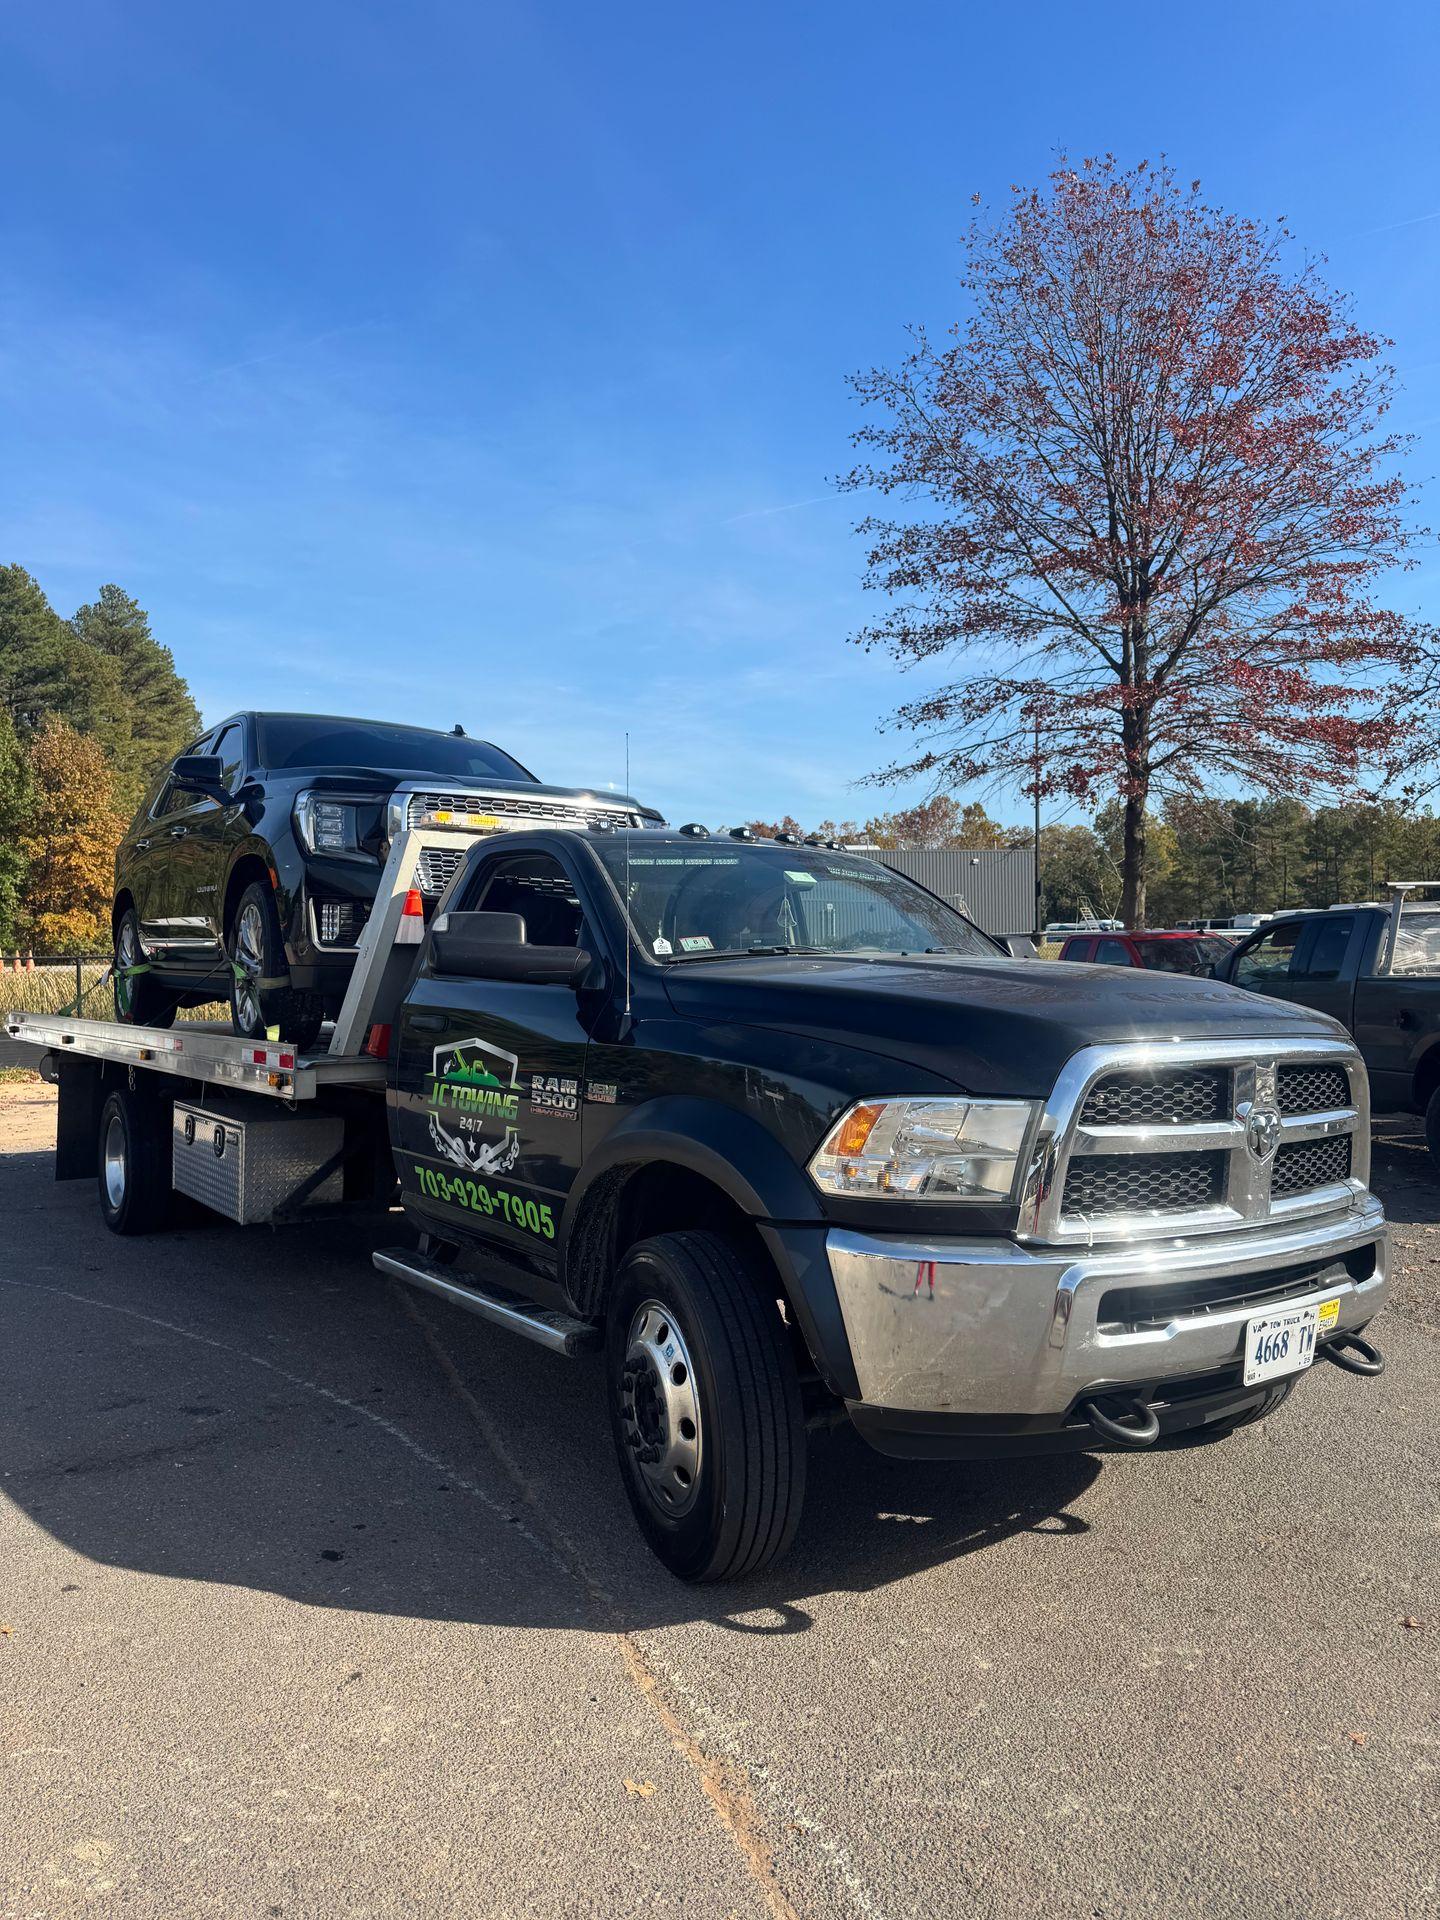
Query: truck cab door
x=486 y=1119
x=1322 y=974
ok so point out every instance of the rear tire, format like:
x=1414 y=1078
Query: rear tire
x=140 y=1000
x=705 y=1407
x=133 y=1161
x=255 y=950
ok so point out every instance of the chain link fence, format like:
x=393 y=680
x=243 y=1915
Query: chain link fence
x=72 y=983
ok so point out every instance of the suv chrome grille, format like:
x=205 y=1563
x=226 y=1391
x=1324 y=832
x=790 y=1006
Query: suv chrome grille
x=436 y=868
x=1107 y=1183
x=1307 y=1164
x=1150 y=1099
x=1311 y=1089
x=510 y=806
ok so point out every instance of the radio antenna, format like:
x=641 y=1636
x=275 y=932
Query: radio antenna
x=629 y=925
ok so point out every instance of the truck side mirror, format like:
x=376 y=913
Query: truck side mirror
x=492 y=946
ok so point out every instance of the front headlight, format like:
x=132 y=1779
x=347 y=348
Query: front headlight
x=326 y=825
x=925 y=1150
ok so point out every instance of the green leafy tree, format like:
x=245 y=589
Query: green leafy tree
x=15 y=805
x=162 y=714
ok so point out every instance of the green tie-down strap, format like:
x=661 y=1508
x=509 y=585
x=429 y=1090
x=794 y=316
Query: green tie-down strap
x=263 y=982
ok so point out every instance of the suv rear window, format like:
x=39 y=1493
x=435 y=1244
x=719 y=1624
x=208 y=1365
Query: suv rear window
x=313 y=740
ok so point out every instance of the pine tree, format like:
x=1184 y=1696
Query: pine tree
x=162 y=714
x=15 y=807
x=46 y=668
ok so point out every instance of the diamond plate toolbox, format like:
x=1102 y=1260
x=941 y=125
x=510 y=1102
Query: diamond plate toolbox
x=245 y=1165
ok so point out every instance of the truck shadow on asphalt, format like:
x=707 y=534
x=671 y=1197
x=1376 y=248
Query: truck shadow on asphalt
x=265 y=1411
x=1402 y=1170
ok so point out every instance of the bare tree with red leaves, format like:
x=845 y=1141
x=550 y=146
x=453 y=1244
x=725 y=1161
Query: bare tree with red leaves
x=1159 y=497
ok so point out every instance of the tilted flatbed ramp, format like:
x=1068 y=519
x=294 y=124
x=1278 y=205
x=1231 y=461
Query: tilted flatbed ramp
x=196 y=1050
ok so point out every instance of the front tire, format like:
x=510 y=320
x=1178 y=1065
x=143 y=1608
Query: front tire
x=140 y=1000
x=705 y=1407
x=255 y=949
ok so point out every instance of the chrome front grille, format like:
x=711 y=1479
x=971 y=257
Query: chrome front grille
x=1311 y=1089
x=1144 y=1182
x=1143 y=1099
x=1303 y=1165
x=1139 y=1142
x=556 y=811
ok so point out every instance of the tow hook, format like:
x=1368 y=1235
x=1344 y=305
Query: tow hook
x=1144 y=1433
x=1355 y=1355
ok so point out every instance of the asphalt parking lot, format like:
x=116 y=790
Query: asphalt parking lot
x=318 y=1599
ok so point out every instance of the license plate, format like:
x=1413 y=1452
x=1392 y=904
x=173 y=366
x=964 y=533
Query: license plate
x=1279 y=1343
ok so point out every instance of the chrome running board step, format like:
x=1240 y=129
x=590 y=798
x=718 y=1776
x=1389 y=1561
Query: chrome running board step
x=557 y=1332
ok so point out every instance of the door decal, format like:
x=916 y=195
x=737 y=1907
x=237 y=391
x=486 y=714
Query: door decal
x=474 y=1099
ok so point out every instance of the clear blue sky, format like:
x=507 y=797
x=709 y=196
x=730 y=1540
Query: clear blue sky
x=486 y=362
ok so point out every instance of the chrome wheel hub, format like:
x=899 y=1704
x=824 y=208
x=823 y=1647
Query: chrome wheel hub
x=250 y=958
x=660 y=1409
x=114 y=1162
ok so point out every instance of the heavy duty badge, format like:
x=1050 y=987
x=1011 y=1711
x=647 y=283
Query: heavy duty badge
x=474 y=1104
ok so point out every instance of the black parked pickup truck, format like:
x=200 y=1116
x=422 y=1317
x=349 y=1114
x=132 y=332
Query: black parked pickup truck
x=794 y=1143
x=1374 y=967
x=249 y=870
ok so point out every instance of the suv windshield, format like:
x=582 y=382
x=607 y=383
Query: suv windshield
x=314 y=740
x=686 y=902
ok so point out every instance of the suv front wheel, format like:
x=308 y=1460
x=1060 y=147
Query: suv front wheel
x=260 y=996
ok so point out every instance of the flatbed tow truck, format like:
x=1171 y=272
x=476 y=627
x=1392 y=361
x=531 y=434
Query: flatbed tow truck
x=793 y=1143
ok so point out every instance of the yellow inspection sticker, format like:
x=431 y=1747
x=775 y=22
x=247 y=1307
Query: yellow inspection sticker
x=1329 y=1314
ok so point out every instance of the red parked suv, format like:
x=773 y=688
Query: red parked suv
x=1164 y=952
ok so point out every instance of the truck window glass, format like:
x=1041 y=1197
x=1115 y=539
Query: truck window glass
x=1269 y=959
x=173 y=798
x=1417 y=942
x=230 y=745
x=1113 y=953
x=312 y=740
x=733 y=897
x=1180 y=956
x=540 y=891
x=1327 y=950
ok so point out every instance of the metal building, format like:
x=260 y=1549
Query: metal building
x=994 y=885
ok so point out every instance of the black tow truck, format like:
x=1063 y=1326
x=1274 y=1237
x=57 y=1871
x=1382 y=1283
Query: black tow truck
x=789 y=1142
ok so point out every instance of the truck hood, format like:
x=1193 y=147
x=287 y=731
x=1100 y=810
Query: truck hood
x=991 y=1026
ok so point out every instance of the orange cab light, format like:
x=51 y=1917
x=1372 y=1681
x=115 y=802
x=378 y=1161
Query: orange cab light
x=856 y=1129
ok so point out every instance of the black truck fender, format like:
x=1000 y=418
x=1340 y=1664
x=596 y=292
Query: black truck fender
x=745 y=1162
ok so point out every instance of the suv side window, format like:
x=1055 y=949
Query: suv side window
x=1323 y=956
x=537 y=887
x=1078 y=950
x=173 y=798
x=230 y=745
x=1113 y=953
x=1269 y=959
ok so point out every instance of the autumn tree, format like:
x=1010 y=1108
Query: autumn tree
x=68 y=842
x=1153 y=496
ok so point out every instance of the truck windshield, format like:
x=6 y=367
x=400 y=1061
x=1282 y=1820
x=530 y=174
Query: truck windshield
x=316 y=740
x=691 y=901
x=1181 y=956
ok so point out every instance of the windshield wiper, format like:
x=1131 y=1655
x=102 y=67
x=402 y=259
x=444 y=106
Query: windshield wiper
x=740 y=953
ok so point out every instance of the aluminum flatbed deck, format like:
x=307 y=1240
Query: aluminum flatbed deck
x=198 y=1050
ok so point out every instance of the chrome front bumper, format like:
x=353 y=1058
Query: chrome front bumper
x=987 y=1327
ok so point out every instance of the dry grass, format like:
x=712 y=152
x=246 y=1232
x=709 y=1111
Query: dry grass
x=52 y=989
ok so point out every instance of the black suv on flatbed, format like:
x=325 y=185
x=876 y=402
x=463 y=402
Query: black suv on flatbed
x=250 y=868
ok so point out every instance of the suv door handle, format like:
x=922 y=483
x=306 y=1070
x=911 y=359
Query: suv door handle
x=141 y=845
x=428 y=1022
x=178 y=833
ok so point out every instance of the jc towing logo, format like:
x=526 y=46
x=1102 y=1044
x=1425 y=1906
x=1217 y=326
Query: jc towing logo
x=474 y=1104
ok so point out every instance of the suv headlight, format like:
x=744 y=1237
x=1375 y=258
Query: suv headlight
x=326 y=825
x=925 y=1150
